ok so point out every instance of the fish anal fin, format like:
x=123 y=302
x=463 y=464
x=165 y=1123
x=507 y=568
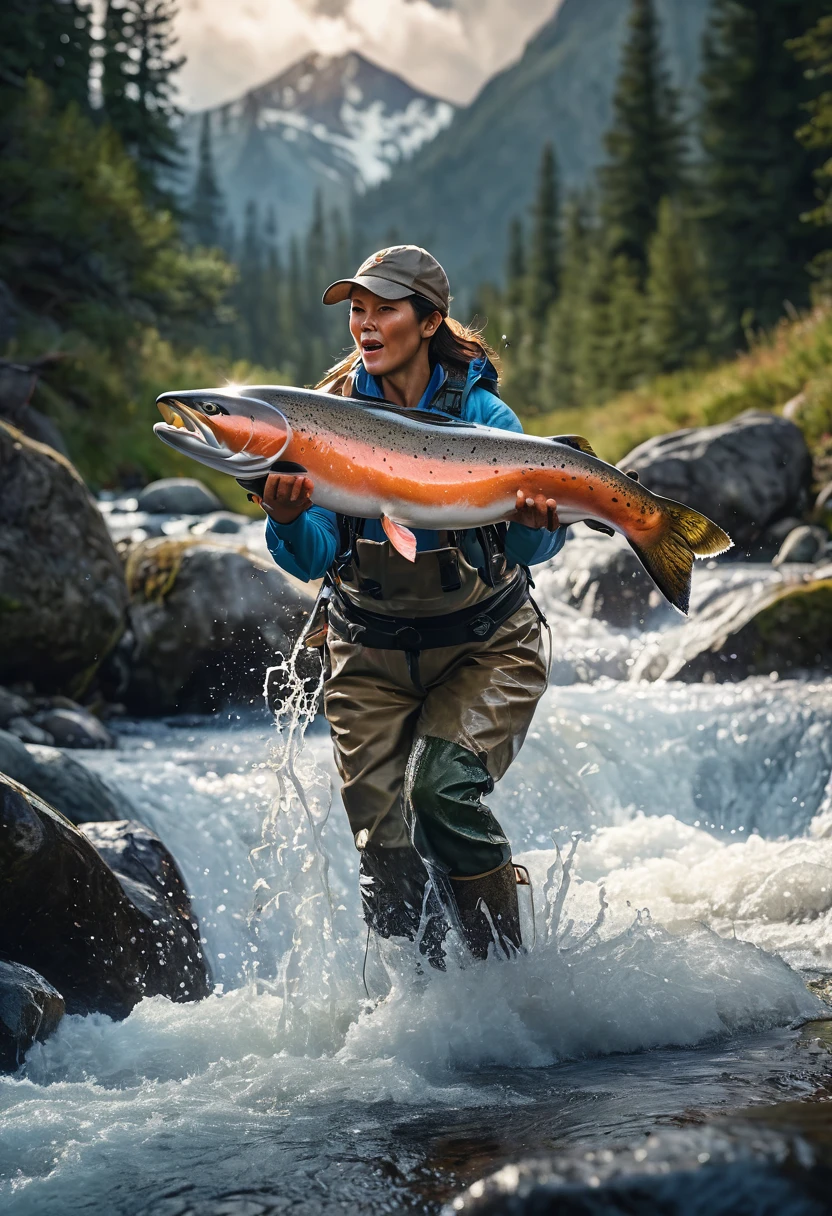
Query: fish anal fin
x=575 y=441
x=400 y=537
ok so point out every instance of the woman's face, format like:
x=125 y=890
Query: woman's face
x=387 y=332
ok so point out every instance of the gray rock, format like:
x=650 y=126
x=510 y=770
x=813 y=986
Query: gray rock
x=12 y=706
x=73 y=728
x=62 y=781
x=28 y=732
x=104 y=940
x=30 y=1010
x=220 y=523
x=62 y=590
x=803 y=544
x=603 y=578
x=206 y=622
x=178 y=496
x=776 y=626
x=777 y=533
x=743 y=474
x=823 y=505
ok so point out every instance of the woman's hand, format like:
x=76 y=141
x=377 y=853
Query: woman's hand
x=538 y=512
x=286 y=496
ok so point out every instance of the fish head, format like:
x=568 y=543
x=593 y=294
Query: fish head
x=224 y=429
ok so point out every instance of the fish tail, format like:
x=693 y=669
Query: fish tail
x=669 y=558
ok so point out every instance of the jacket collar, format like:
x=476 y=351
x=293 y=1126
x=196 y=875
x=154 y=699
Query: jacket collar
x=370 y=386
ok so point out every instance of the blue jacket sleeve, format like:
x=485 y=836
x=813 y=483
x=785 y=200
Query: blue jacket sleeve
x=524 y=546
x=307 y=547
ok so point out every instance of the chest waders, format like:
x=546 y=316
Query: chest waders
x=435 y=669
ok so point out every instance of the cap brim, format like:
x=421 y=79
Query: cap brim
x=337 y=292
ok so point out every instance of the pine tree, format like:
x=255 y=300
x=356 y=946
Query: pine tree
x=559 y=367
x=758 y=181
x=544 y=251
x=137 y=88
x=677 y=299
x=644 y=144
x=52 y=40
x=515 y=265
x=814 y=49
x=207 y=207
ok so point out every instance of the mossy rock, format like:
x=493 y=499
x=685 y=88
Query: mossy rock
x=64 y=596
x=791 y=634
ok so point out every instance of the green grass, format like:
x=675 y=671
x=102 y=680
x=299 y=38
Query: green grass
x=795 y=359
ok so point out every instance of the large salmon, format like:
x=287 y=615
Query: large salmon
x=418 y=469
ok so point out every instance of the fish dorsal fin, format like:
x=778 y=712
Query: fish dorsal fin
x=400 y=537
x=575 y=441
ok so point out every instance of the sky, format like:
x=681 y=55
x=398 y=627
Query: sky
x=446 y=47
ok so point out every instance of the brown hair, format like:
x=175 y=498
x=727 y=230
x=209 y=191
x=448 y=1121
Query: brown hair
x=453 y=345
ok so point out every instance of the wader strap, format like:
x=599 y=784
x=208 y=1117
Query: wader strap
x=478 y=623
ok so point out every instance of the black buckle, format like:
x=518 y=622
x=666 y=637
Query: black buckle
x=481 y=627
x=409 y=638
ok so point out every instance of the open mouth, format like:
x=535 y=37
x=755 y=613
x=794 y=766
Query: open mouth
x=369 y=347
x=179 y=416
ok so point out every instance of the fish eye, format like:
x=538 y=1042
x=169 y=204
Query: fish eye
x=208 y=407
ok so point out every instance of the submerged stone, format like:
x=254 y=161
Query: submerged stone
x=62 y=781
x=103 y=938
x=30 y=1010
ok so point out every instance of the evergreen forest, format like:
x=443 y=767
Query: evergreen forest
x=702 y=235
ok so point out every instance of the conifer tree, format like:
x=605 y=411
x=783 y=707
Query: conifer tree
x=52 y=40
x=137 y=89
x=677 y=299
x=515 y=265
x=544 y=252
x=757 y=179
x=644 y=144
x=207 y=207
x=814 y=51
x=559 y=366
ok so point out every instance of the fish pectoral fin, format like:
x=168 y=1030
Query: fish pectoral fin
x=597 y=526
x=400 y=537
x=575 y=441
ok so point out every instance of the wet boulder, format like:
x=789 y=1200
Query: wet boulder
x=603 y=578
x=30 y=1010
x=177 y=496
x=103 y=938
x=779 y=627
x=744 y=474
x=74 y=728
x=221 y=523
x=62 y=591
x=206 y=622
x=803 y=544
x=79 y=794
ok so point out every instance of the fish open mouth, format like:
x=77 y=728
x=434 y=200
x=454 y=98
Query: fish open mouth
x=178 y=415
x=198 y=423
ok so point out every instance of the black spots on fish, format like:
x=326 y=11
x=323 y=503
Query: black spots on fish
x=563 y=466
x=615 y=500
x=574 y=477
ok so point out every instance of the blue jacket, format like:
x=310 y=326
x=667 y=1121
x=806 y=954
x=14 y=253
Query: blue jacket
x=308 y=546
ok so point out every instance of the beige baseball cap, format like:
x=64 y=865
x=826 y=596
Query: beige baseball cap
x=393 y=274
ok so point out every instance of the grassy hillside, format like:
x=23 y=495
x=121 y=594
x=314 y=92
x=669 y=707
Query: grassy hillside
x=794 y=362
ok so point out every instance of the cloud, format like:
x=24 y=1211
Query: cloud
x=447 y=47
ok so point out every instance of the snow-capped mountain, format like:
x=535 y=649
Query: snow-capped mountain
x=332 y=123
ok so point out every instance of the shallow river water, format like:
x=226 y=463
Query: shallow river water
x=680 y=842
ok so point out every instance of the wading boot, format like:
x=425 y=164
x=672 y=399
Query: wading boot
x=495 y=890
x=393 y=885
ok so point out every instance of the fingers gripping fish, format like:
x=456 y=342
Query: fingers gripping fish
x=419 y=469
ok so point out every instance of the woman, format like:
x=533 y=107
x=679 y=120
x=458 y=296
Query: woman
x=435 y=666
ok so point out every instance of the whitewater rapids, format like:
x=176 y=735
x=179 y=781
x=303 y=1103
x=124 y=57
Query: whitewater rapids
x=688 y=900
